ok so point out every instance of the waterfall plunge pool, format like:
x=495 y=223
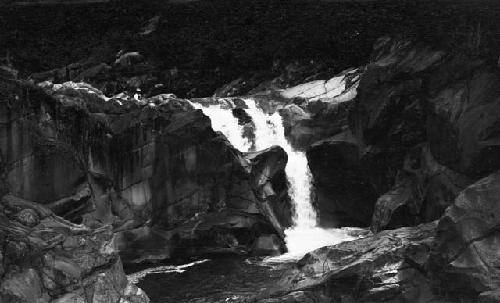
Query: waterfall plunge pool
x=232 y=278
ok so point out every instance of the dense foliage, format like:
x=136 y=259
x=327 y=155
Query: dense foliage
x=236 y=35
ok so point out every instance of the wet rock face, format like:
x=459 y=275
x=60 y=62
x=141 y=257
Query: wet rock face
x=466 y=255
x=268 y=176
x=53 y=260
x=203 y=183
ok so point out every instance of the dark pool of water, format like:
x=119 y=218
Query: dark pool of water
x=222 y=279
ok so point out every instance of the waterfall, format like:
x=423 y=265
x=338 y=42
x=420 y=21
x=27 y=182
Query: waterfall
x=304 y=235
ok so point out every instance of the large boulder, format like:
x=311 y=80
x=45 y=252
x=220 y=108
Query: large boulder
x=316 y=115
x=268 y=177
x=466 y=254
x=344 y=196
x=422 y=191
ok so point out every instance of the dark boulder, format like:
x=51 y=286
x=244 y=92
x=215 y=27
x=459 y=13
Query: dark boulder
x=399 y=207
x=423 y=190
x=267 y=171
x=344 y=196
x=466 y=254
x=464 y=123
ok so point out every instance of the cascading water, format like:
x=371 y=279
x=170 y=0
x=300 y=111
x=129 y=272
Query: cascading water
x=304 y=235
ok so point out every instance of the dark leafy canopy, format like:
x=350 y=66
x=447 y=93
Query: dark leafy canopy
x=234 y=35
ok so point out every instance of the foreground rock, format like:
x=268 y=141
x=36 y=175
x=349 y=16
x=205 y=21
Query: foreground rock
x=454 y=259
x=386 y=267
x=48 y=259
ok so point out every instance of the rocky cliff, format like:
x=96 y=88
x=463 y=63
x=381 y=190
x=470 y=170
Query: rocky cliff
x=392 y=143
x=149 y=179
x=150 y=168
x=417 y=161
x=453 y=259
x=96 y=161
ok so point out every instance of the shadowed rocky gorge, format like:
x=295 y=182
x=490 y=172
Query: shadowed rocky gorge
x=255 y=151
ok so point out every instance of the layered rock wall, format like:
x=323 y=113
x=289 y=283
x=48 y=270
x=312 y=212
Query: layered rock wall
x=153 y=169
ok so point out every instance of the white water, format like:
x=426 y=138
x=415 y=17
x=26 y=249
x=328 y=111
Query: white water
x=137 y=276
x=304 y=236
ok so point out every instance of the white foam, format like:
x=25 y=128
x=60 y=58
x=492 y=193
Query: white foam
x=136 y=277
x=225 y=122
x=304 y=236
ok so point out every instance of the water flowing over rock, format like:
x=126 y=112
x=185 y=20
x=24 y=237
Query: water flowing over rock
x=152 y=168
x=268 y=129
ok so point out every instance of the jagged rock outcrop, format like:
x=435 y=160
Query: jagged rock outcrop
x=453 y=259
x=48 y=259
x=425 y=123
x=389 y=115
x=152 y=168
x=320 y=108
